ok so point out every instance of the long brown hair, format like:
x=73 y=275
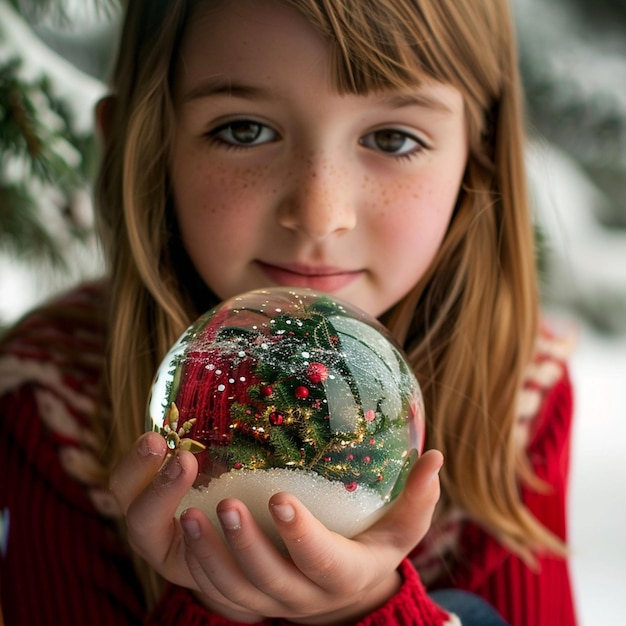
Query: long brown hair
x=469 y=326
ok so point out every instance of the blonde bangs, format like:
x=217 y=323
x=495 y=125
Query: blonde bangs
x=383 y=45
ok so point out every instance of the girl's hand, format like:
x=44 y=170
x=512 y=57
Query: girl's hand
x=328 y=579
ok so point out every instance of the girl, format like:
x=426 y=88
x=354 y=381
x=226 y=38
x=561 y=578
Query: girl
x=373 y=150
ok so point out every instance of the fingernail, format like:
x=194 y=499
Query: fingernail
x=145 y=449
x=230 y=519
x=190 y=526
x=172 y=469
x=284 y=512
x=436 y=472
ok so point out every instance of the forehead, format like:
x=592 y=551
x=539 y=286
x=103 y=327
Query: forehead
x=263 y=49
x=358 y=56
x=231 y=34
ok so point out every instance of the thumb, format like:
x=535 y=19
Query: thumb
x=409 y=516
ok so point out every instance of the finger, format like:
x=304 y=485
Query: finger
x=209 y=559
x=409 y=516
x=317 y=552
x=220 y=605
x=257 y=555
x=152 y=529
x=136 y=469
x=247 y=570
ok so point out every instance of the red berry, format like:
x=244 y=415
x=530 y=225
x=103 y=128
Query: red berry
x=267 y=390
x=301 y=392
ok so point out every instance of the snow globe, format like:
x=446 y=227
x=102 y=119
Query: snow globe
x=285 y=389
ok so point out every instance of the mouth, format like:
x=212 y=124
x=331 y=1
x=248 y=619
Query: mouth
x=322 y=278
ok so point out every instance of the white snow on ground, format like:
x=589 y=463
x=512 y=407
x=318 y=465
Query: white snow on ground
x=598 y=493
x=588 y=273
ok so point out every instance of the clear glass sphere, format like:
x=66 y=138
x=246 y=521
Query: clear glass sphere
x=291 y=390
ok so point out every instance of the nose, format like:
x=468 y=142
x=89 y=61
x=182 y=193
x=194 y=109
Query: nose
x=320 y=199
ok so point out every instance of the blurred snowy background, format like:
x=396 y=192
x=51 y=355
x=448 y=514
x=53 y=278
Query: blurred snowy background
x=574 y=63
x=54 y=56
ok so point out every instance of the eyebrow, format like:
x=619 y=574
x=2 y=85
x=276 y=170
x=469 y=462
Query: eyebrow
x=421 y=100
x=222 y=87
x=219 y=86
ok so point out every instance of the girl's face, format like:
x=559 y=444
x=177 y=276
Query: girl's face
x=279 y=180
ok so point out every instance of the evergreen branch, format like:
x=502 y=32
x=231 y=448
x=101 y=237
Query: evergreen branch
x=23 y=234
x=285 y=451
x=18 y=112
x=33 y=129
x=250 y=455
x=282 y=394
x=43 y=165
x=315 y=433
x=322 y=451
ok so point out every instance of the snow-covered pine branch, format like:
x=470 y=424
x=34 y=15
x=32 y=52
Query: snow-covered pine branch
x=46 y=141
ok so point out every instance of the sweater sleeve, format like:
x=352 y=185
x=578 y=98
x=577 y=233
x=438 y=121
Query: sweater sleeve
x=409 y=607
x=60 y=561
x=529 y=596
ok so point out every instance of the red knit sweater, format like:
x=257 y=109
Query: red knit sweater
x=61 y=558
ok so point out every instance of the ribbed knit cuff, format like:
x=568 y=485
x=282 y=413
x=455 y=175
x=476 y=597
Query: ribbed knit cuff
x=411 y=606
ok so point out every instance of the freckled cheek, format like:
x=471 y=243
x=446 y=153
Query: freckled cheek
x=406 y=211
x=390 y=201
x=220 y=193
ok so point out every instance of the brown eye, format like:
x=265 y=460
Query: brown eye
x=244 y=133
x=389 y=140
x=392 y=142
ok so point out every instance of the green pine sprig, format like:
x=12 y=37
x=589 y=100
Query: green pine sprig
x=43 y=164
